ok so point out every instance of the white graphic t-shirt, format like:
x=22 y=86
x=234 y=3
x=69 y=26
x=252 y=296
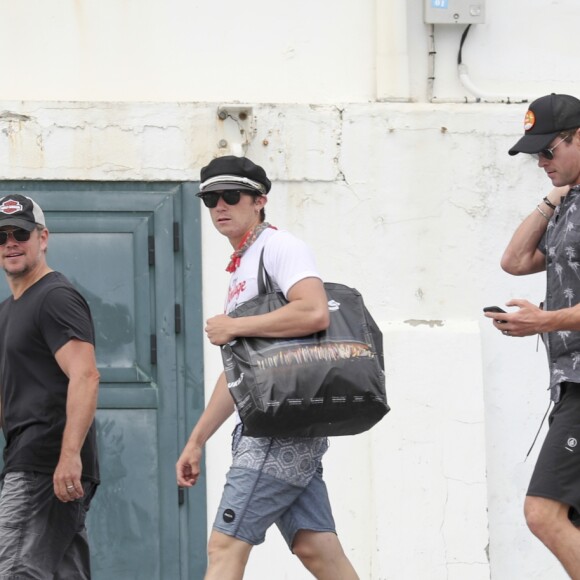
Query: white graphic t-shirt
x=286 y=259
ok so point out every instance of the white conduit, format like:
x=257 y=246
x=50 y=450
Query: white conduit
x=487 y=97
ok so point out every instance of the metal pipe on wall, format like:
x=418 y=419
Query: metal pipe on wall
x=392 y=57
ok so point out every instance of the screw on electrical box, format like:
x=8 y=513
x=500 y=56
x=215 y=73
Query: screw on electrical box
x=223 y=115
x=223 y=144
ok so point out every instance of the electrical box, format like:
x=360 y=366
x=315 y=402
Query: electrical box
x=454 y=11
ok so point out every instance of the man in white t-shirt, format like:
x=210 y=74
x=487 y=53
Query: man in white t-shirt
x=271 y=480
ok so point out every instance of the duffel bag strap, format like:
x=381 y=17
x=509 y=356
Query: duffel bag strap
x=265 y=285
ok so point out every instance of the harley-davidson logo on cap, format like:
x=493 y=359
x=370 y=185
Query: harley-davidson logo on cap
x=10 y=206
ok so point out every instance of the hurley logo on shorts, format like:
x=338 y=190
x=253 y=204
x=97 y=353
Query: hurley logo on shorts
x=229 y=516
x=571 y=444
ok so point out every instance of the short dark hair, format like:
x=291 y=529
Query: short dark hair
x=568 y=134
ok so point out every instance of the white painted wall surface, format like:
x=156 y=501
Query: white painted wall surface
x=413 y=205
x=412 y=201
x=326 y=51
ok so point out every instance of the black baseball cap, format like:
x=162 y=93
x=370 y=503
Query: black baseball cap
x=231 y=172
x=20 y=211
x=545 y=119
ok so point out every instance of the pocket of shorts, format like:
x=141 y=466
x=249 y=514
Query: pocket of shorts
x=566 y=449
x=15 y=504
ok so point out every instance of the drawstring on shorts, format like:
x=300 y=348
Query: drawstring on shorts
x=539 y=429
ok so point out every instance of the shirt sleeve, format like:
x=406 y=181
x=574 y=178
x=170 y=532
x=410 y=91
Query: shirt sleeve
x=289 y=260
x=64 y=315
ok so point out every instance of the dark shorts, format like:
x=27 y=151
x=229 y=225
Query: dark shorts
x=557 y=472
x=40 y=536
x=274 y=481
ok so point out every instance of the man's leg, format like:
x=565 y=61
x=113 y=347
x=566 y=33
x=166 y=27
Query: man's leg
x=227 y=557
x=36 y=529
x=76 y=561
x=75 y=564
x=548 y=520
x=323 y=556
x=309 y=530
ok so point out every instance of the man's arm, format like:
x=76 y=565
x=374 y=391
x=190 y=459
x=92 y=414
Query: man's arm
x=219 y=408
x=305 y=313
x=522 y=255
x=77 y=360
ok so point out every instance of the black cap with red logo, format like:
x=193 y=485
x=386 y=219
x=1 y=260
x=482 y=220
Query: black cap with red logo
x=20 y=211
x=545 y=119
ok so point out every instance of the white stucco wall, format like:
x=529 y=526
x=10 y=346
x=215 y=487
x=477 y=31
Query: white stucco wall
x=328 y=51
x=411 y=200
x=412 y=204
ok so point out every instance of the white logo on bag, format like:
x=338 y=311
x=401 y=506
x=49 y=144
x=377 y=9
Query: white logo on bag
x=333 y=305
x=236 y=383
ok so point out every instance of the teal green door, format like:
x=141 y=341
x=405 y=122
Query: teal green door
x=133 y=251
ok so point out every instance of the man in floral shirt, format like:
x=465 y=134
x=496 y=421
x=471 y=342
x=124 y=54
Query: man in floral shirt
x=549 y=240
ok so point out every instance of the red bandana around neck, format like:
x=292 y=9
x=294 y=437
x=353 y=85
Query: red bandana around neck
x=249 y=238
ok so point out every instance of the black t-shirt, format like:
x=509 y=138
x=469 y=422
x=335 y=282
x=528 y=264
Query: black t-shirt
x=33 y=388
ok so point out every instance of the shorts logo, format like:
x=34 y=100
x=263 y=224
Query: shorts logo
x=572 y=442
x=229 y=516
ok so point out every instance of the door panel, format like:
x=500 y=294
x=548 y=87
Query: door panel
x=116 y=243
x=126 y=508
x=108 y=262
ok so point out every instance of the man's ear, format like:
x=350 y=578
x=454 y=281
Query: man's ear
x=261 y=201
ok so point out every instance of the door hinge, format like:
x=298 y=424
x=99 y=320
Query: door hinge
x=151 y=250
x=180 y=496
x=177 y=318
x=176 y=237
x=153 y=349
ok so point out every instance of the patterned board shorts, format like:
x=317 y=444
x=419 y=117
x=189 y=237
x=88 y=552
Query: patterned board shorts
x=274 y=480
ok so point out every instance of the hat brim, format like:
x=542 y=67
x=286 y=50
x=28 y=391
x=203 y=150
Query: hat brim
x=222 y=186
x=533 y=143
x=19 y=223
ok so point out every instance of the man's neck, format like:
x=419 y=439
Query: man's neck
x=237 y=241
x=20 y=284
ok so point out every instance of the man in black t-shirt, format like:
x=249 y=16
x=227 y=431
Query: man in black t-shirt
x=48 y=394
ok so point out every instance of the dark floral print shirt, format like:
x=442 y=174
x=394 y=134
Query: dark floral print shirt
x=561 y=245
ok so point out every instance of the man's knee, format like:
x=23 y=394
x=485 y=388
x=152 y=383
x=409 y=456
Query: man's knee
x=544 y=515
x=223 y=548
x=311 y=547
x=303 y=549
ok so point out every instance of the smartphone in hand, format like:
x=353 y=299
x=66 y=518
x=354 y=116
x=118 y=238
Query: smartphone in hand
x=495 y=309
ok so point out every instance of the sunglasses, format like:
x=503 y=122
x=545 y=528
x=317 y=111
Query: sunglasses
x=230 y=196
x=548 y=153
x=19 y=235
